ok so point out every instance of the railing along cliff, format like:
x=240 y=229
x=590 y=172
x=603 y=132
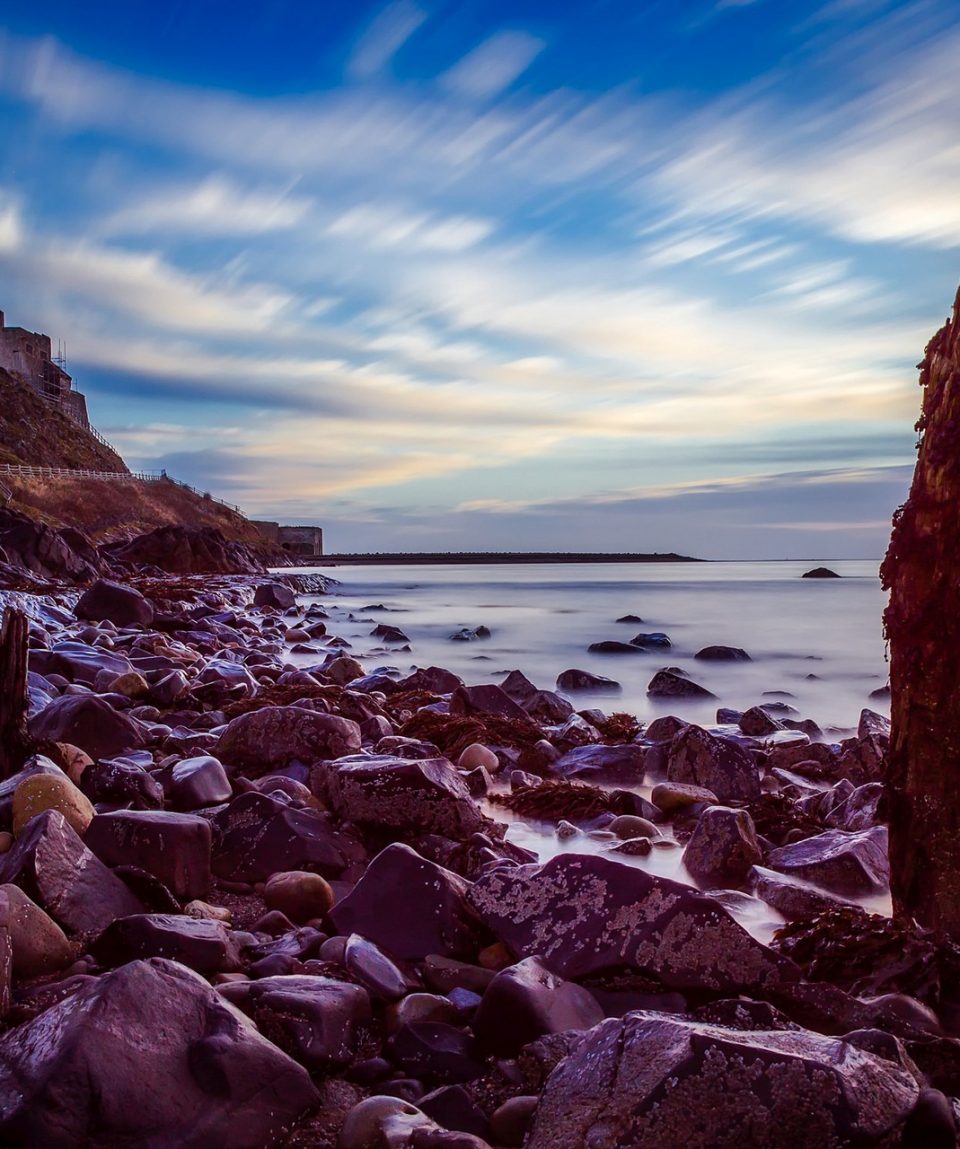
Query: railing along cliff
x=115 y=476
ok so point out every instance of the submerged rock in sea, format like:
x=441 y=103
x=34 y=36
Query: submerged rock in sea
x=846 y=861
x=820 y=572
x=719 y=764
x=583 y=680
x=653 y=1079
x=669 y=683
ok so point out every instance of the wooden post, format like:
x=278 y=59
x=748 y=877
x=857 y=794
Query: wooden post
x=14 y=740
x=922 y=620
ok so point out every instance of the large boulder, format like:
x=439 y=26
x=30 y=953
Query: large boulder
x=623 y=763
x=187 y=550
x=702 y=759
x=78 y=661
x=411 y=907
x=849 y=862
x=198 y=943
x=275 y=594
x=85 y=720
x=146 y=1055
x=175 y=848
x=257 y=835
x=275 y=736
x=671 y=683
x=317 y=1020
x=52 y=866
x=122 y=605
x=582 y=914
x=44 y=551
x=656 y=1079
x=423 y=795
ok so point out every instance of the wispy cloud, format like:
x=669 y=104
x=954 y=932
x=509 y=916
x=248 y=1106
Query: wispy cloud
x=385 y=36
x=493 y=66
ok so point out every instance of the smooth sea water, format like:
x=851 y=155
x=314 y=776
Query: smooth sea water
x=818 y=640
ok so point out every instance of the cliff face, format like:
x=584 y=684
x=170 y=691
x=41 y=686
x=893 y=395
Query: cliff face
x=923 y=627
x=39 y=434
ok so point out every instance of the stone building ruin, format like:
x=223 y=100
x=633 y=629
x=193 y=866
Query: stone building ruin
x=28 y=354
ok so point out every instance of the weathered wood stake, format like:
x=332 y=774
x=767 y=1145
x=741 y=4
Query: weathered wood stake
x=922 y=573
x=14 y=740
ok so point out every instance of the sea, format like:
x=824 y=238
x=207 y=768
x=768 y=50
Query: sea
x=815 y=643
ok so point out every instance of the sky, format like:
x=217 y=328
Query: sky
x=475 y=275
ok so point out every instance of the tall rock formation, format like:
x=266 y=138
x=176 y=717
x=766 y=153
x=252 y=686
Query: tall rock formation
x=922 y=573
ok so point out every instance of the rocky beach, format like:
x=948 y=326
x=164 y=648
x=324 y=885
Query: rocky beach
x=255 y=891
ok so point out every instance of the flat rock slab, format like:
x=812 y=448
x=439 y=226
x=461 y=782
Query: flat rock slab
x=147 y=1055
x=658 y=1080
x=173 y=847
x=52 y=866
x=426 y=795
x=85 y=720
x=411 y=907
x=199 y=943
x=583 y=914
x=846 y=861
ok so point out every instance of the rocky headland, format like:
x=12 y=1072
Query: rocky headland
x=257 y=891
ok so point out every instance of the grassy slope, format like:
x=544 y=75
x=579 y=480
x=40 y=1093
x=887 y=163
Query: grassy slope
x=36 y=433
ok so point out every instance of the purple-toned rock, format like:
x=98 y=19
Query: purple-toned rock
x=85 y=720
x=198 y=782
x=606 y=763
x=583 y=914
x=175 y=848
x=122 y=781
x=188 y=550
x=757 y=723
x=78 y=661
x=655 y=1079
x=410 y=907
x=371 y=967
x=37 y=764
x=793 y=897
x=275 y=736
x=723 y=848
x=574 y=680
x=122 y=605
x=485 y=699
x=722 y=654
x=6 y=953
x=614 y=646
x=845 y=861
x=425 y=795
x=274 y=594
x=198 y=943
x=257 y=835
x=433 y=679
x=316 y=1020
x=670 y=684
x=714 y=762
x=435 y=1051
x=146 y=1055
x=52 y=866
x=526 y=1001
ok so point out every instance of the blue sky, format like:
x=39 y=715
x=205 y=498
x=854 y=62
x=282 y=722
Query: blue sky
x=480 y=275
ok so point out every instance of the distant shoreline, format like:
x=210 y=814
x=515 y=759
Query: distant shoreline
x=495 y=557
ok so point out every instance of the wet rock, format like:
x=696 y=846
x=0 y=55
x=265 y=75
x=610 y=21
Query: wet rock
x=511 y=1121
x=121 y=781
x=434 y=679
x=85 y=720
x=51 y=792
x=663 y=729
x=452 y=1107
x=410 y=907
x=371 y=967
x=792 y=897
x=122 y=605
x=146 y=1055
x=605 y=763
x=37 y=764
x=274 y=594
x=56 y=870
x=317 y=1020
x=575 y=680
x=859 y=810
x=722 y=654
x=849 y=862
x=275 y=736
x=699 y=758
x=421 y=794
x=433 y=1051
x=655 y=639
x=609 y=646
x=583 y=914
x=670 y=684
x=199 y=781
x=525 y=1001
x=485 y=699
x=389 y=633
x=175 y=848
x=757 y=723
x=78 y=662
x=820 y=572
x=35 y=547
x=470 y=634
x=298 y=894
x=257 y=835
x=383 y=1123
x=188 y=550
x=38 y=944
x=198 y=943
x=723 y=847
x=476 y=755
x=653 y=1079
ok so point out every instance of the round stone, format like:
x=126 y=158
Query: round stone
x=43 y=792
x=298 y=894
x=476 y=754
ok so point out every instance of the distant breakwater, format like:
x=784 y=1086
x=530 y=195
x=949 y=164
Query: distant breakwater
x=493 y=557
